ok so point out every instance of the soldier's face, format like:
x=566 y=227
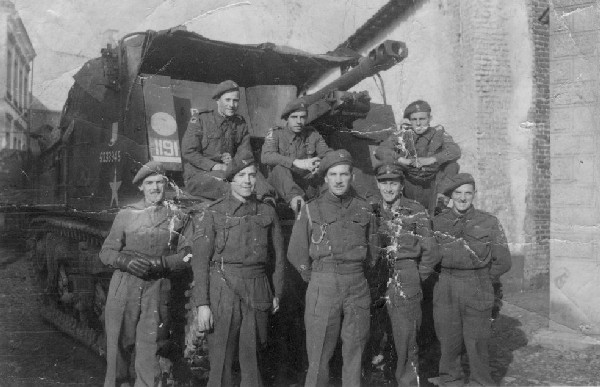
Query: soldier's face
x=339 y=178
x=228 y=103
x=296 y=121
x=462 y=198
x=243 y=183
x=390 y=189
x=420 y=121
x=153 y=188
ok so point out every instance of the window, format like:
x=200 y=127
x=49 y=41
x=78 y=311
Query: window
x=9 y=62
x=8 y=130
x=21 y=95
x=15 y=79
x=26 y=88
x=14 y=145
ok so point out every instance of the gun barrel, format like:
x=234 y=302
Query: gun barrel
x=381 y=58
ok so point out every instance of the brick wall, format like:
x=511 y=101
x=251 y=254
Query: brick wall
x=536 y=267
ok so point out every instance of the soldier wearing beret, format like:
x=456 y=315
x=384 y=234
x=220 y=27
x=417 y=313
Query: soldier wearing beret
x=294 y=153
x=232 y=290
x=212 y=140
x=407 y=244
x=426 y=155
x=140 y=249
x=330 y=246
x=474 y=254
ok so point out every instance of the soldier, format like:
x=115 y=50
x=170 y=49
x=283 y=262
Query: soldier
x=407 y=242
x=329 y=245
x=232 y=291
x=294 y=153
x=212 y=140
x=140 y=248
x=426 y=155
x=474 y=253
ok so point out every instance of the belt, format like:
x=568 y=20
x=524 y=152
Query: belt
x=239 y=269
x=465 y=272
x=337 y=267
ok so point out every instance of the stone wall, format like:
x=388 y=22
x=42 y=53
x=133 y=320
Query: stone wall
x=575 y=108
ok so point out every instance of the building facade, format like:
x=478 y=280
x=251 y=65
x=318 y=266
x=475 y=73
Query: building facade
x=16 y=69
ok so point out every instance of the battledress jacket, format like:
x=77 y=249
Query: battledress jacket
x=471 y=241
x=282 y=146
x=405 y=235
x=333 y=230
x=208 y=136
x=148 y=230
x=434 y=142
x=236 y=238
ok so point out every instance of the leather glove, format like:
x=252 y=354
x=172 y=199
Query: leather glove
x=135 y=265
x=157 y=266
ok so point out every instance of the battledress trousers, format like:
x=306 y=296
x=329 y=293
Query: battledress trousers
x=407 y=244
x=230 y=274
x=330 y=243
x=473 y=251
x=136 y=312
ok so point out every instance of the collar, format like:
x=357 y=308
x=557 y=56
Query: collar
x=428 y=134
x=141 y=205
x=341 y=201
x=291 y=135
x=232 y=204
x=219 y=118
x=467 y=215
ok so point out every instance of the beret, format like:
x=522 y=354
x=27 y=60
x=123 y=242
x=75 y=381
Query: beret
x=415 y=107
x=224 y=87
x=389 y=171
x=294 y=106
x=150 y=168
x=331 y=159
x=456 y=181
x=237 y=164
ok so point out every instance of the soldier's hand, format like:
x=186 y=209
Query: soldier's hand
x=275 y=304
x=404 y=161
x=313 y=163
x=137 y=266
x=219 y=167
x=302 y=164
x=205 y=318
x=157 y=264
x=226 y=158
x=425 y=161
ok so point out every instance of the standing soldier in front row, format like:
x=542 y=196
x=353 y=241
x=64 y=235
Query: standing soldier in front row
x=294 y=153
x=329 y=245
x=474 y=253
x=231 y=288
x=405 y=236
x=140 y=248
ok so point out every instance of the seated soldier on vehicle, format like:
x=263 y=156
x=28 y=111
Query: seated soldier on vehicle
x=294 y=153
x=426 y=154
x=210 y=143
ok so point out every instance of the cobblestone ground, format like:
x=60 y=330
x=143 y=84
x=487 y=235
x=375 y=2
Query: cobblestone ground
x=33 y=353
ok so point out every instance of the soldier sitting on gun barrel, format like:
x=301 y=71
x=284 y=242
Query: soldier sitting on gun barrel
x=294 y=153
x=426 y=154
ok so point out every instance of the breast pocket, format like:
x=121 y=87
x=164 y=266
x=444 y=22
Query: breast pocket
x=260 y=229
x=478 y=241
x=226 y=231
x=211 y=141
